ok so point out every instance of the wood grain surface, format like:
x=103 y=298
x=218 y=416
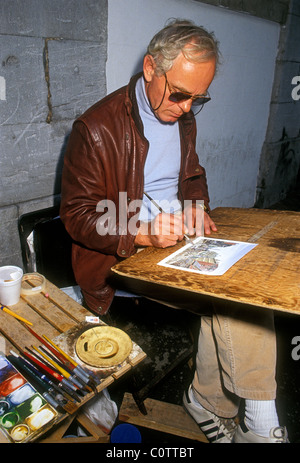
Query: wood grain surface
x=268 y=276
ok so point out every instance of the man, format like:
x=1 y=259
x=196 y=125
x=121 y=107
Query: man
x=141 y=139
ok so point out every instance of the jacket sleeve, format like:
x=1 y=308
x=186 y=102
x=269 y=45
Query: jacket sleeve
x=84 y=196
x=195 y=188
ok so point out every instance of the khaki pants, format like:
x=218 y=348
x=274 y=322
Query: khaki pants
x=236 y=358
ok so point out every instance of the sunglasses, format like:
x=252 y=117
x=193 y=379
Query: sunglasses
x=179 y=97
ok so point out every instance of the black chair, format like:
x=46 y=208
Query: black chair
x=46 y=246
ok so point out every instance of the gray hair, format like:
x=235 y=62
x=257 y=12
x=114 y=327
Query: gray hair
x=167 y=44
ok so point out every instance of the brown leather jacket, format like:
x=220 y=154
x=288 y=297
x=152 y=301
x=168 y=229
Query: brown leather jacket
x=105 y=155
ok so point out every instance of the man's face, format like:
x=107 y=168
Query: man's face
x=184 y=76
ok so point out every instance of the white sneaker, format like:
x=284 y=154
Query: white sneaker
x=217 y=430
x=243 y=435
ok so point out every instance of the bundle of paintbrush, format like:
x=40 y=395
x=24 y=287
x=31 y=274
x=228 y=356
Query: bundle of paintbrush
x=61 y=380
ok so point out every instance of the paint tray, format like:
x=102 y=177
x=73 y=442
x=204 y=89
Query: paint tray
x=24 y=412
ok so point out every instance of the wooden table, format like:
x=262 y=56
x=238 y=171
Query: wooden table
x=52 y=313
x=268 y=276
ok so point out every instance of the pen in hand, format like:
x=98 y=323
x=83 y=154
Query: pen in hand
x=188 y=239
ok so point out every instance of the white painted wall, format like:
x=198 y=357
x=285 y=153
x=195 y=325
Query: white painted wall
x=231 y=127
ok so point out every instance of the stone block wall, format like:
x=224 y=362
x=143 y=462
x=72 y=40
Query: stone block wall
x=279 y=168
x=273 y=10
x=52 y=68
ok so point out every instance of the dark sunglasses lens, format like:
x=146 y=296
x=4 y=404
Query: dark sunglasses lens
x=177 y=97
x=196 y=109
x=200 y=101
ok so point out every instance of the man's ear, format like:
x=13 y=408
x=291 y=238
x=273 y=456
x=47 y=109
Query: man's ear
x=148 y=68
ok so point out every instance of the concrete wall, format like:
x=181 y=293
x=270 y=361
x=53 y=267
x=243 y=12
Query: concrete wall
x=52 y=67
x=272 y=10
x=280 y=158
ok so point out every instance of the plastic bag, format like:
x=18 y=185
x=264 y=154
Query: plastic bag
x=102 y=411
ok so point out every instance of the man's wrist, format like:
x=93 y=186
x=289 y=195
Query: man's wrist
x=203 y=207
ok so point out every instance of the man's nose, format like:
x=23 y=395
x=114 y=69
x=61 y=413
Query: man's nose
x=186 y=105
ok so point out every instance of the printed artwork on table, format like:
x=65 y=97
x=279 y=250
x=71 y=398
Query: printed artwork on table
x=23 y=411
x=207 y=256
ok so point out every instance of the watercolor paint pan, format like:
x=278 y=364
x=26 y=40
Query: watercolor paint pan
x=24 y=412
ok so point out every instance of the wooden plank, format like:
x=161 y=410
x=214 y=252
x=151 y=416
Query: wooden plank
x=49 y=311
x=139 y=358
x=52 y=304
x=241 y=224
x=75 y=310
x=95 y=430
x=161 y=416
x=117 y=374
x=14 y=332
x=52 y=313
x=253 y=281
x=5 y=344
x=3 y=439
x=57 y=435
x=76 y=440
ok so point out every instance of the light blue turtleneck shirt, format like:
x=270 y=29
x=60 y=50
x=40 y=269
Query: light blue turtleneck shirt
x=162 y=165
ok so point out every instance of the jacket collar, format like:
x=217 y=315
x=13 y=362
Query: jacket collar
x=131 y=101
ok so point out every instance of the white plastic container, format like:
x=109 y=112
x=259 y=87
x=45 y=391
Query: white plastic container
x=10 y=284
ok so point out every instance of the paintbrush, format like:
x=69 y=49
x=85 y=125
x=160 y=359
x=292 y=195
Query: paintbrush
x=13 y=314
x=61 y=395
x=77 y=367
x=42 y=376
x=19 y=363
x=75 y=380
x=188 y=239
x=62 y=382
x=63 y=371
x=62 y=359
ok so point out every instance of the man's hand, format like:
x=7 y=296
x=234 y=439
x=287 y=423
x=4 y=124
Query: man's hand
x=198 y=222
x=163 y=231
x=209 y=224
x=167 y=229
